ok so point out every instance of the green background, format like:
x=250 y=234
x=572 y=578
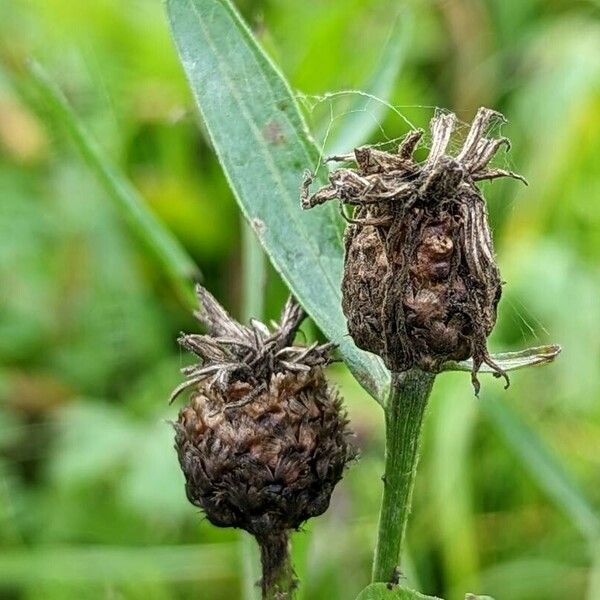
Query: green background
x=91 y=498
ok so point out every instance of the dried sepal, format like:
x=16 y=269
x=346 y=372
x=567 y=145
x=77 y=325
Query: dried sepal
x=231 y=351
x=512 y=361
x=421 y=284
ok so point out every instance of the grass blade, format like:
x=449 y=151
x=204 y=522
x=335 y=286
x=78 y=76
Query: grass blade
x=263 y=145
x=544 y=468
x=163 y=246
x=254 y=274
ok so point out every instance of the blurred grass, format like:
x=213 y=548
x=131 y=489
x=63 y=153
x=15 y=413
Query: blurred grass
x=160 y=245
x=117 y=565
x=88 y=320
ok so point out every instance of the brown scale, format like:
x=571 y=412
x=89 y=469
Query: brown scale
x=420 y=284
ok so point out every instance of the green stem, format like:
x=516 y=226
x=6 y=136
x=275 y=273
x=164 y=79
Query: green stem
x=278 y=581
x=254 y=274
x=404 y=413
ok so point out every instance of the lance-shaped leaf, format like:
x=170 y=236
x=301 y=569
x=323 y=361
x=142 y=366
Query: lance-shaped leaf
x=262 y=143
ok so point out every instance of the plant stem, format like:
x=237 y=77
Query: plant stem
x=254 y=274
x=404 y=413
x=278 y=582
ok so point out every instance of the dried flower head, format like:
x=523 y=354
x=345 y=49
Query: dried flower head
x=421 y=284
x=263 y=440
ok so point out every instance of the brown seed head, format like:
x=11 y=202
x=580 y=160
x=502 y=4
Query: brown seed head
x=421 y=284
x=264 y=440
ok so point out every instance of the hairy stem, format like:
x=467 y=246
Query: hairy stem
x=278 y=582
x=404 y=413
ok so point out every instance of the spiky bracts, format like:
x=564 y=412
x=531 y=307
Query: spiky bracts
x=231 y=352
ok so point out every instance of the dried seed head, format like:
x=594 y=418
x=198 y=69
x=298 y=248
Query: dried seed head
x=264 y=440
x=421 y=284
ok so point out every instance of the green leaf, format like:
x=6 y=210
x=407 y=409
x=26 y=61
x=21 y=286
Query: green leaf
x=511 y=361
x=162 y=245
x=369 y=106
x=545 y=468
x=384 y=591
x=263 y=145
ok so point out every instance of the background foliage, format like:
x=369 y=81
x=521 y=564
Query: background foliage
x=91 y=499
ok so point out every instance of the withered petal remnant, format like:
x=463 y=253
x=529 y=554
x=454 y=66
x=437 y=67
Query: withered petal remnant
x=421 y=285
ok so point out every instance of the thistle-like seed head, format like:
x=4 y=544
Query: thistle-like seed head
x=420 y=284
x=263 y=440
